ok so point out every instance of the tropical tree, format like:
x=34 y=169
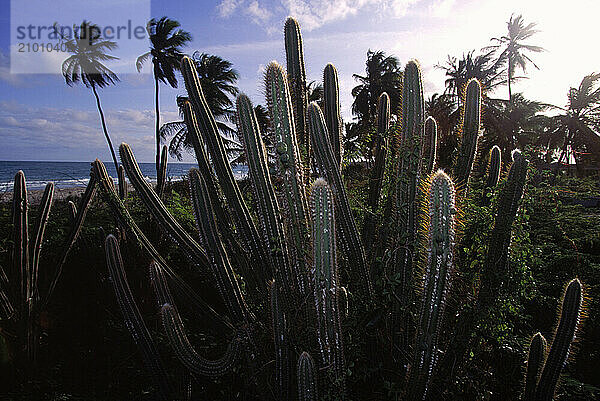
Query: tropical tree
x=166 y=41
x=382 y=74
x=88 y=53
x=513 y=50
x=217 y=78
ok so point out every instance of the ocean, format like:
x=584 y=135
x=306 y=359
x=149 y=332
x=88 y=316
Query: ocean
x=77 y=174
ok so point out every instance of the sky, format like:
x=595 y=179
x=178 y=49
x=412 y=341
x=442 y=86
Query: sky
x=41 y=118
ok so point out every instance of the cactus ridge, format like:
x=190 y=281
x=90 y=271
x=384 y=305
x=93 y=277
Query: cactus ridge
x=494 y=167
x=331 y=106
x=307 y=384
x=133 y=317
x=436 y=281
x=570 y=315
x=325 y=280
x=331 y=171
x=535 y=363
x=469 y=133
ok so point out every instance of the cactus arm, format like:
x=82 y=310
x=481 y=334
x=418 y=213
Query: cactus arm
x=186 y=353
x=429 y=147
x=469 y=134
x=122 y=182
x=225 y=279
x=161 y=176
x=133 y=318
x=214 y=143
x=570 y=316
x=307 y=384
x=21 y=240
x=40 y=227
x=296 y=72
x=331 y=104
x=282 y=346
x=325 y=279
x=124 y=219
x=289 y=166
x=158 y=210
x=494 y=167
x=535 y=363
x=436 y=282
x=329 y=167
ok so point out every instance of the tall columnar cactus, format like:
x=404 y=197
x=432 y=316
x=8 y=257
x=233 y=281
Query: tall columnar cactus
x=437 y=277
x=289 y=165
x=161 y=179
x=214 y=143
x=377 y=172
x=331 y=108
x=535 y=363
x=469 y=133
x=494 y=167
x=307 y=381
x=296 y=72
x=325 y=280
x=570 y=316
x=429 y=147
x=282 y=344
x=133 y=317
x=330 y=169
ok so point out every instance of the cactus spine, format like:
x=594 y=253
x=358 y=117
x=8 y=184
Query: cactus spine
x=325 y=279
x=429 y=147
x=307 y=385
x=570 y=316
x=282 y=346
x=494 y=167
x=436 y=282
x=331 y=171
x=469 y=133
x=331 y=106
x=535 y=363
x=296 y=72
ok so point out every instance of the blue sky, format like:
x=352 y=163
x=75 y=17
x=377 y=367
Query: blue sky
x=43 y=119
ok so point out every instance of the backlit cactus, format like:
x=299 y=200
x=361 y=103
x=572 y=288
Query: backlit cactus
x=437 y=277
x=535 y=363
x=331 y=109
x=494 y=167
x=325 y=280
x=307 y=381
x=469 y=133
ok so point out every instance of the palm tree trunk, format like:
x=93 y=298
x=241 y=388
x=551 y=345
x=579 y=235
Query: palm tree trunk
x=157 y=108
x=110 y=145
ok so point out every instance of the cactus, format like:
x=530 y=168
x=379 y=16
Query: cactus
x=122 y=182
x=325 y=280
x=161 y=176
x=282 y=346
x=133 y=317
x=331 y=171
x=331 y=107
x=494 y=167
x=307 y=384
x=429 y=147
x=570 y=315
x=297 y=75
x=289 y=166
x=376 y=176
x=436 y=282
x=469 y=134
x=535 y=363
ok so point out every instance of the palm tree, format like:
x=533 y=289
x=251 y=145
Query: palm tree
x=577 y=128
x=383 y=74
x=89 y=51
x=217 y=78
x=166 y=42
x=513 y=50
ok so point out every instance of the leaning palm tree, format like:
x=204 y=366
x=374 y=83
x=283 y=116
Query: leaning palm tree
x=166 y=41
x=513 y=50
x=88 y=52
x=217 y=78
